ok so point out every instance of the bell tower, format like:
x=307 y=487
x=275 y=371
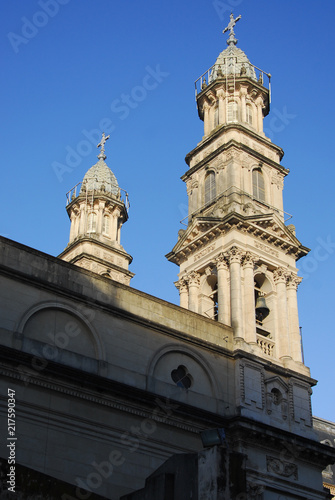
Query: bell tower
x=237 y=255
x=97 y=208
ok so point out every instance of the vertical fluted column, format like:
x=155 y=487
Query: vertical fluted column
x=223 y=289
x=249 y=298
x=259 y=105
x=293 y=318
x=193 y=291
x=234 y=256
x=206 y=119
x=183 y=292
x=283 y=338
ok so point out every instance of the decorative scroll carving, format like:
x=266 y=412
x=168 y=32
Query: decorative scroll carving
x=193 y=279
x=182 y=285
x=281 y=468
x=280 y=275
x=221 y=261
x=293 y=281
x=249 y=260
x=234 y=255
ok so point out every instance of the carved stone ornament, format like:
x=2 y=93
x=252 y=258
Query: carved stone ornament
x=221 y=261
x=293 y=281
x=181 y=285
x=254 y=491
x=249 y=260
x=281 y=468
x=280 y=275
x=193 y=279
x=234 y=255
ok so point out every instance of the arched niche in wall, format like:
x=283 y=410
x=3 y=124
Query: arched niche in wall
x=63 y=328
x=182 y=374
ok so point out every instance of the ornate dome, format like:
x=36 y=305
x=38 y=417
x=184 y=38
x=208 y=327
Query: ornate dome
x=100 y=178
x=232 y=61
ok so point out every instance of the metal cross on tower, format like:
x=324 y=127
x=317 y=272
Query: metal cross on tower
x=231 y=40
x=102 y=145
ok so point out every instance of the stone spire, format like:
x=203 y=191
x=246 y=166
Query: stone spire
x=97 y=214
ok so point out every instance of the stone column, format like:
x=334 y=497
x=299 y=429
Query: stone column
x=283 y=337
x=234 y=256
x=259 y=105
x=243 y=94
x=193 y=290
x=249 y=298
x=293 y=319
x=206 y=119
x=183 y=292
x=223 y=290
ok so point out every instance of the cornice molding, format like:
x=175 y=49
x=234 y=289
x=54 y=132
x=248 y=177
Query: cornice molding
x=225 y=128
x=218 y=226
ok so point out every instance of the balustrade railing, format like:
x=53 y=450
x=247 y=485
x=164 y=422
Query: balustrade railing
x=225 y=71
x=266 y=345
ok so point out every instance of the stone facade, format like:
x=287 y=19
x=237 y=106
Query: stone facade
x=99 y=372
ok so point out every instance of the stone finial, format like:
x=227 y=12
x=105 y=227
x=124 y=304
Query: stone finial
x=231 y=40
x=101 y=145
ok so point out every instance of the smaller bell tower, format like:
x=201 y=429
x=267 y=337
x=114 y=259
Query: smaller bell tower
x=237 y=254
x=97 y=208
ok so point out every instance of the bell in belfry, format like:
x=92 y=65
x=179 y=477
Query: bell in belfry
x=262 y=310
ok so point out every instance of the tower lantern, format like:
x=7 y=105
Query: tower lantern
x=98 y=208
x=236 y=249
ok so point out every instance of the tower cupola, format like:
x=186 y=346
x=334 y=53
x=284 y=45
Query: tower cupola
x=97 y=208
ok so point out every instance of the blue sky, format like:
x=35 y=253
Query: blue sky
x=67 y=65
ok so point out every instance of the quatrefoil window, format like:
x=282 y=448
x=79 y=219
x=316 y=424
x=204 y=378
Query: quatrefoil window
x=181 y=377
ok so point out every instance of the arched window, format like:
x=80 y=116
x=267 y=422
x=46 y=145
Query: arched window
x=92 y=222
x=249 y=114
x=106 y=224
x=210 y=189
x=232 y=111
x=258 y=186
